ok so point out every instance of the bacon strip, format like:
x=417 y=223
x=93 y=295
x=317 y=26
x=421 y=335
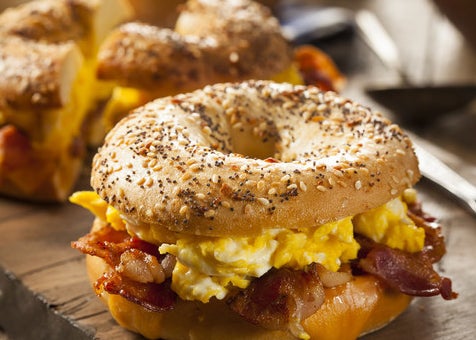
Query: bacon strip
x=281 y=298
x=108 y=244
x=153 y=296
x=411 y=274
x=434 y=247
x=15 y=148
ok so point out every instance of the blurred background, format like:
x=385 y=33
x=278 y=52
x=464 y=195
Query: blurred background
x=435 y=39
x=436 y=44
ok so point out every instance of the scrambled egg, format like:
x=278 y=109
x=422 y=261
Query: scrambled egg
x=390 y=225
x=207 y=266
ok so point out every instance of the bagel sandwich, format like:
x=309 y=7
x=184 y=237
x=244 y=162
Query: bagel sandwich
x=258 y=210
x=212 y=42
x=49 y=93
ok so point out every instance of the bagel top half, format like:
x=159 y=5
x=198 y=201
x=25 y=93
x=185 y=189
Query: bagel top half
x=234 y=159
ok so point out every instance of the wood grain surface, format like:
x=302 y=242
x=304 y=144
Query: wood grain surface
x=44 y=291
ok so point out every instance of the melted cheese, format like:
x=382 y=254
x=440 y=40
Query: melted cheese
x=207 y=267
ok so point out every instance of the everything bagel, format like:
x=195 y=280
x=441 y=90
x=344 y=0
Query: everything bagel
x=49 y=95
x=258 y=210
x=239 y=158
x=211 y=43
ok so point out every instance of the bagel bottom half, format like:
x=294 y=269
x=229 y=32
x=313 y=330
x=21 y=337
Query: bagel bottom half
x=357 y=307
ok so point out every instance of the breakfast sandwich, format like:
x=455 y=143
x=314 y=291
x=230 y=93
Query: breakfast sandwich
x=258 y=210
x=48 y=92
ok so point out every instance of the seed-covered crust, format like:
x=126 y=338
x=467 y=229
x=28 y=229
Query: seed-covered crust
x=36 y=75
x=234 y=159
x=45 y=20
x=56 y=21
x=213 y=42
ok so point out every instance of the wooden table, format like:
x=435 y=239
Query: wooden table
x=44 y=292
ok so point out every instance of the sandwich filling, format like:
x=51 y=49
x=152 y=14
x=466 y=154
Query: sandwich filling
x=394 y=242
x=207 y=267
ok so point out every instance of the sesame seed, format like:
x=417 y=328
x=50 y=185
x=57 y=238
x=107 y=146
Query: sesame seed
x=207 y=130
x=263 y=201
x=285 y=178
x=303 y=186
x=153 y=162
x=342 y=184
x=183 y=209
x=358 y=185
x=400 y=152
x=209 y=213
x=234 y=57
x=158 y=167
x=250 y=183
x=338 y=173
x=321 y=188
x=186 y=176
x=195 y=167
x=237 y=126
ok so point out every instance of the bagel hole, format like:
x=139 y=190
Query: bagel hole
x=251 y=141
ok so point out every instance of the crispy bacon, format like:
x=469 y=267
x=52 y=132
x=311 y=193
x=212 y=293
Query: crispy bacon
x=411 y=274
x=318 y=69
x=281 y=298
x=110 y=244
x=15 y=148
x=153 y=296
x=434 y=247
